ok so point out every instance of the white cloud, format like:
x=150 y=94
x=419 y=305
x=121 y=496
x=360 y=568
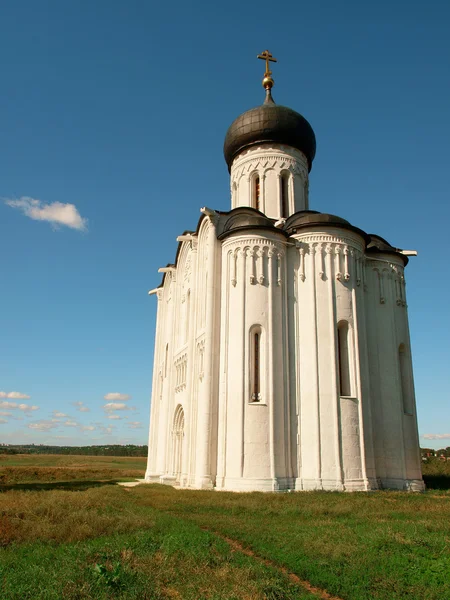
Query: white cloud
x=14 y=395
x=107 y=430
x=114 y=417
x=59 y=415
x=81 y=407
x=3 y=420
x=436 y=436
x=43 y=425
x=110 y=406
x=56 y=213
x=69 y=423
x=27 y=407
x=134 y=424
x=24 y=407
x=88 y=428
x=5 y=413
x=114 y=396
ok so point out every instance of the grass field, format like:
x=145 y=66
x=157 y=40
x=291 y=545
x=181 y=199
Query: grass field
x=153 y=542
x=30 y=470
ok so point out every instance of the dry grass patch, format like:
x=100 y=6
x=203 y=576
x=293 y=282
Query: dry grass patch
x=67 y=516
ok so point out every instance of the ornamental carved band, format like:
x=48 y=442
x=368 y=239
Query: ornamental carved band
x=331 y=256
x=258 y=261
x=254 y=161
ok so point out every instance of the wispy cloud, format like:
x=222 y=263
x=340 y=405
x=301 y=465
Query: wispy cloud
x=107 y=430
x=81 y=406
x=2 y=421
x=43 y=425
x=113 y=416
x=24 y=407
x=56 y=213
x=88 y=428
x=5 y=413
x=134 y=424
x=116 y=396
x=436 y=436
x=70 y=423
x=59 y=415
x=111 y=406
x=14 y=395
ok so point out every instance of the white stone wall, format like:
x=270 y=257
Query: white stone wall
x=184 y=366
x=396 y=444
x=270 y=162
x=252 y=431
x=330 y=428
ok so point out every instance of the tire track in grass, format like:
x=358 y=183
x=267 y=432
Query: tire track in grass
x=238 y=547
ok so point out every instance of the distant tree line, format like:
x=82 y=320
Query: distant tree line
x=430 y=452
x=110 y=450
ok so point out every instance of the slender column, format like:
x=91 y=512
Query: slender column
x=333 y=362
x=287 y=369
x=156 y=400
x=270 y=399
x=203 y=478
x=241 y=398
x=317 y=253
x=228 y=263
x=167 y=382
x=188 y=438
x=361 y=355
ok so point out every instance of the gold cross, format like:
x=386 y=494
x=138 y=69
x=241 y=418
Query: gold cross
x=267 y=57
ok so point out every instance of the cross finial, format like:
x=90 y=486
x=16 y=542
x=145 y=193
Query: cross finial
x=266 y=55
x=267 y=81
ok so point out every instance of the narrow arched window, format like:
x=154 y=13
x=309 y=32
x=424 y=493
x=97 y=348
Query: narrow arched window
x=255 y=364
x=233 y=195
x=188 y=315
x=166 y=360
x=344 y=359
x=257 y=192
x=405 y=380
x=284 y=195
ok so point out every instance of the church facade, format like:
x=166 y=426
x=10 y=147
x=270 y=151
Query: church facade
x=282 y=354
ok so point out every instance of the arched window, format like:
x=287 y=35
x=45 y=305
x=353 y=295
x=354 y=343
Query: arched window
x=256 y=193
x=188 y=315
x=405 y=380
x=284 y=192
x=345 y=388
x=255 y=364
x=177 y=442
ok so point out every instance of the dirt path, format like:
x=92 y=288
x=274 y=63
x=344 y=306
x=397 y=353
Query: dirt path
x=238 y=547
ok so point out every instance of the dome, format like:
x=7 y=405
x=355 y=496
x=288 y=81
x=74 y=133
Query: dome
x=311 y=218
x=270 y=123
x=244 y=218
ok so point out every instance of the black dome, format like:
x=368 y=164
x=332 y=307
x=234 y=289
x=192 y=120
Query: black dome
x=270 y=123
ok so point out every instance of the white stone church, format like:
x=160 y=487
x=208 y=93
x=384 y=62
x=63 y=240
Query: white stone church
x=282 y=353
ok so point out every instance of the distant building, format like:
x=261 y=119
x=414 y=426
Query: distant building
x=282 y=352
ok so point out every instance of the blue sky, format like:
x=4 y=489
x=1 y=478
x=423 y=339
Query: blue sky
x=117 y=111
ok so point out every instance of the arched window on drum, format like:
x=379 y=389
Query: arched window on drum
x=256 y=363
x=343 y=339
x=284 y=194
x=256 y=192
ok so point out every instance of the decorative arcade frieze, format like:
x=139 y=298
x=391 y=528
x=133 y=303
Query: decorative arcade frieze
x=258 y=257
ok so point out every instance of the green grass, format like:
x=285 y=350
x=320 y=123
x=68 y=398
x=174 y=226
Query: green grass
x=105 y=543
x=92 y=541
x=74 y=461
x=22 y=469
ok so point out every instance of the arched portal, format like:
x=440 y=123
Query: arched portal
x=177 y=442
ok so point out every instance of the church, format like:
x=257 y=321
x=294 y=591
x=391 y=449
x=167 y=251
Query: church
x=282 y=354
